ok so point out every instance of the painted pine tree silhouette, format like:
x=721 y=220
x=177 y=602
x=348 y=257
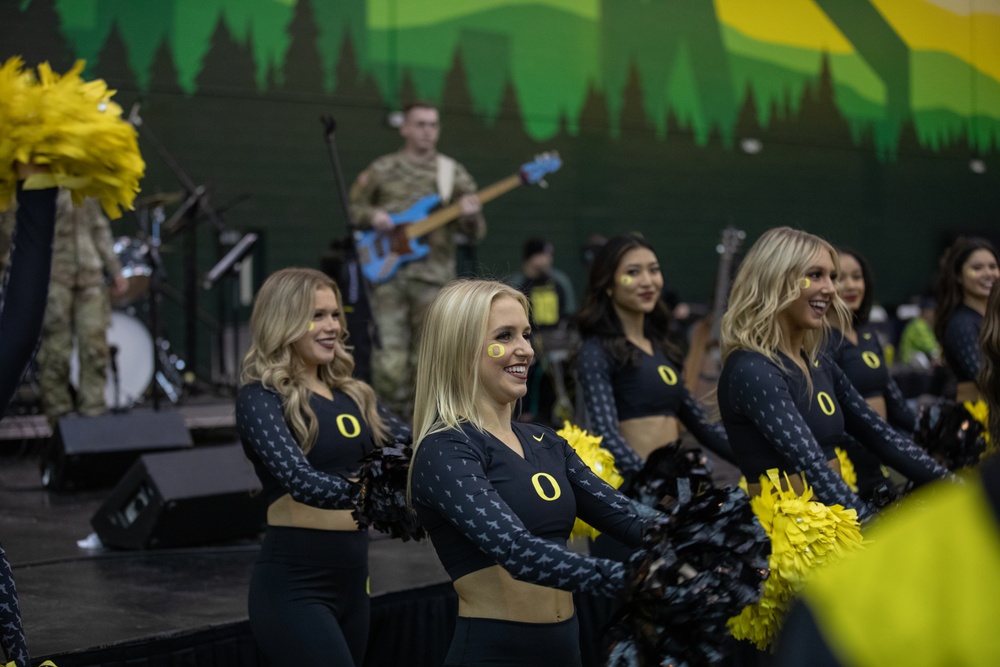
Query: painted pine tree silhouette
x=112 y=65
x=228 y=66
x=303 y=70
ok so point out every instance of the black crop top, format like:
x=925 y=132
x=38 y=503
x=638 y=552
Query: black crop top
x=652 y=387
x=775 y=422
x=864 y=365
x=961 y=343
x=319 y=478
x=483 y=505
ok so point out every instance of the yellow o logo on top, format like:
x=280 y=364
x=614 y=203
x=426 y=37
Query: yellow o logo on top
x=668 y=375
x=871 y=359
x=536 y=481
x=826 y=403
x=345 y=420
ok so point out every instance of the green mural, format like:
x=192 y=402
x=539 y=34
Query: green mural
x=689 y=61
x=865 y=127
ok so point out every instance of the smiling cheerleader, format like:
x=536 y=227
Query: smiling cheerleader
x=786 y=408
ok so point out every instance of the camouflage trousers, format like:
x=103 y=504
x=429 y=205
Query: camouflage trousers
x=87 y=313
x=398 y=307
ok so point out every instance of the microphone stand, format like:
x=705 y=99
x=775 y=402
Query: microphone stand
x=357 y=309
x=184 y=219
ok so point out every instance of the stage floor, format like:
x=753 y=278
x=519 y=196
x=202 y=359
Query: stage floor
x=74 y=598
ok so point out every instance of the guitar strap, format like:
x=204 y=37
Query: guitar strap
x=445 y=177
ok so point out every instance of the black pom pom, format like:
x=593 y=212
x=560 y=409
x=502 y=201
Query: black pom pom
x=381 y=499
x=949 y=433
x=696 y=570
x=670 y=472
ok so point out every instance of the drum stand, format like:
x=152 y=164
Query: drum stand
x=117 y=408
x=160 y=345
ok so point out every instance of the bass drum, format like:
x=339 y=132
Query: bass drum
x=132 y=352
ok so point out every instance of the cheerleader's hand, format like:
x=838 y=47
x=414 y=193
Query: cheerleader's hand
x=26 y=170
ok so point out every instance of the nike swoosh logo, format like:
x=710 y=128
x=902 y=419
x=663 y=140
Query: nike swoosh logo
x=539 y=438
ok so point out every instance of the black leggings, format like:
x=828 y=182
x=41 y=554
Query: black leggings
x=309 y=597
x=482 y=642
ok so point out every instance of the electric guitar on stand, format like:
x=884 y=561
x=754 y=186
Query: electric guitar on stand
x=381 y=254
x=704 y=361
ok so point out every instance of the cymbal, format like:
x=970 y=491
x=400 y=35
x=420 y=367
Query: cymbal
x=159 y=199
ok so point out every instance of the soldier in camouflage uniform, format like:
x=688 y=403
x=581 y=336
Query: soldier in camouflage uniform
x=82 y=252
x=391 y=184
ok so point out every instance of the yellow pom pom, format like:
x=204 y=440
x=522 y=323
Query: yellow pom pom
x=71 y=126
x=805 y=536
x=847 y=470
x=599 y=460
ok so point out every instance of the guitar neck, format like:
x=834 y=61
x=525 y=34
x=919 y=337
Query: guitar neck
x=443 y=216
x=719 y=304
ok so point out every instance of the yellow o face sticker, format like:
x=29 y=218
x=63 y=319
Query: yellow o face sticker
x=348 y=426
x=871 y=359
x=826 y=403
x=312 y=325
x=625 y=280
x=496 y=350
x=806 y=283
x=668 y=375
x=536 y=481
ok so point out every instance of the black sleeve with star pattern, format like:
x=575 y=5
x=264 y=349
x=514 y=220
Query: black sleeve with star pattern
x=961 y=344
x=759 y=391
x=400 y=432
x=15 y=649
x=260 y=421
x=594 y=378
x=602 y=505
x=874 y=433
x=711 y=435
x=898 y=412
x=449 y=477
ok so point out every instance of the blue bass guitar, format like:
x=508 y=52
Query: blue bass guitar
x=382 y=253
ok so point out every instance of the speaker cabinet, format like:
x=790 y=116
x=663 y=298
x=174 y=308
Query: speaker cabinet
x=94 y=452
x=176 y=499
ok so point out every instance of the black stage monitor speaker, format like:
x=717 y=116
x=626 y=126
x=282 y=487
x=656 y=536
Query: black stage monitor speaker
x=175 y=499
x=94 y=452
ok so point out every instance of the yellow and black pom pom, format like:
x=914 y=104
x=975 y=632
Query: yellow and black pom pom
x=72 y=127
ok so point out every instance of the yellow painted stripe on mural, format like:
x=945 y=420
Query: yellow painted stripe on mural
x=975 y=37
x=384 y=14
x=798 y=23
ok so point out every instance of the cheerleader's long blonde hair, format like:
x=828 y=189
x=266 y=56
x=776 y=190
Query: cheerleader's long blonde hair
x=282 y=312
x=768 y=281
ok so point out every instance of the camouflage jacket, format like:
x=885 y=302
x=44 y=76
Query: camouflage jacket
x=394 y=182
x=83 y=250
